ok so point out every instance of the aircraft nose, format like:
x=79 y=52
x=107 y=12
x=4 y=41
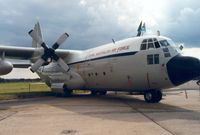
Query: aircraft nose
x=182 y=69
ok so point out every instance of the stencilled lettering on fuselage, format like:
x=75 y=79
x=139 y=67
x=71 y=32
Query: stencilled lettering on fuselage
x=108 y=51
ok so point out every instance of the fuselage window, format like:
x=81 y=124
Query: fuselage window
x=153 y=59
x=156 y=59
x=167 y=54
x=149 y=59
x=165 y=50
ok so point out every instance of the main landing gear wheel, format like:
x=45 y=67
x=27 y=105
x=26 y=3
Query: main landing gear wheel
x=67 y=92
x=153 y=96
x=98 y=93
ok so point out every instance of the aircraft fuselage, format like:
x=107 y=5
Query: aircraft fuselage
x=123 y=66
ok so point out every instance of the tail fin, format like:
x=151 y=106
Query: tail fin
x=39 y=34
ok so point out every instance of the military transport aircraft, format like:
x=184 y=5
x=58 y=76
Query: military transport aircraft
x=142 y=64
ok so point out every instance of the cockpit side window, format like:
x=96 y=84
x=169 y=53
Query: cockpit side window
x=150 y=43
x=157 y=45
x=144 y=45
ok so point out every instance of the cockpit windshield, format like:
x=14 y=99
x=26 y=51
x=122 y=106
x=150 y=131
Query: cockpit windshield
x=150 y=43
x=153 y=43
x=171 y=42
x=164 y=43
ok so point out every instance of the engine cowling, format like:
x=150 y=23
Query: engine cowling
x=5 y=67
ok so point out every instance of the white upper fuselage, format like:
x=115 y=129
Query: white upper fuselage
x=120 y=66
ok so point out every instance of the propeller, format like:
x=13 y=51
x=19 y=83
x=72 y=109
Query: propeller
x=49 y=53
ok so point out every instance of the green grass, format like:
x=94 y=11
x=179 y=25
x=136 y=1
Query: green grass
x=23 y=90
x=27 y=90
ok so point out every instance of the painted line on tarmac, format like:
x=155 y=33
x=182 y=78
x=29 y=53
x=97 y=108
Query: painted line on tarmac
x=5 y=116
x=135 y=109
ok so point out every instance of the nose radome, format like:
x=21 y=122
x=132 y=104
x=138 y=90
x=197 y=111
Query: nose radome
x=182 y=69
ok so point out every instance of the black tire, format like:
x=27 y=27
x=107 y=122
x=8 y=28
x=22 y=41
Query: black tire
x=67 y=92
x=153 y=96
x=102 y=92
x=158 y=96
x=93 y=93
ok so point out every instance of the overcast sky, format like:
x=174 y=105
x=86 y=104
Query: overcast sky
x=91 y=23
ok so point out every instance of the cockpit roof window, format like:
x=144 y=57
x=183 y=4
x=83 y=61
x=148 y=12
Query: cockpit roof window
x=150 y=40
x=155 y=40
x=164 y=43
x=144 y=41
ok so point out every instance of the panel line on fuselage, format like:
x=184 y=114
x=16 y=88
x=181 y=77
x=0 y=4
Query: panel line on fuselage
x=104 y=57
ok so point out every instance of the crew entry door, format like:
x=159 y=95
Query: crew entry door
x=155 y=66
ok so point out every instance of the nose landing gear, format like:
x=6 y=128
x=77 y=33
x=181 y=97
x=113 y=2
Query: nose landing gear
x=153 y=96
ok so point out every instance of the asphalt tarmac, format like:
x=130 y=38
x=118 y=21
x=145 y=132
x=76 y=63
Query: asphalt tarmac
x=104 y=115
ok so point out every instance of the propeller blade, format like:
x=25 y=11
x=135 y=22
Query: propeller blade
x=60 y=40
x=33 y=34
x=63 y=65
x=37 y=65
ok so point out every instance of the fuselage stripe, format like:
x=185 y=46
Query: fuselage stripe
x=104 y=57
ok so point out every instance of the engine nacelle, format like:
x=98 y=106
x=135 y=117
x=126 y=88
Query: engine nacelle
x=5 y=67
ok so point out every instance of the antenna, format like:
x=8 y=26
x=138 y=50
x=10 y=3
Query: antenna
x=158 y=33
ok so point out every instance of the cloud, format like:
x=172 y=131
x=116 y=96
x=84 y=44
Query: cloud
x=186 y=26
x=94 y=22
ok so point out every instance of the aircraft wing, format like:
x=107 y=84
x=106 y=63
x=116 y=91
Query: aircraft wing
x=26 y=53
x=17 y=52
